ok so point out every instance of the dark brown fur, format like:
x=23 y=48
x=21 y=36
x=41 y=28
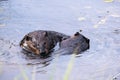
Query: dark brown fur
x=75 y=44
x=41 y=41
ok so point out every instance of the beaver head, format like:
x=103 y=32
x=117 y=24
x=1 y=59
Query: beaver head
x=36 y=42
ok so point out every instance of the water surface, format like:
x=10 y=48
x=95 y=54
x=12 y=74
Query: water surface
x=98 y=20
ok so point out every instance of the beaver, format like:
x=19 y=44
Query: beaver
x=75 y=44
x=41 y=41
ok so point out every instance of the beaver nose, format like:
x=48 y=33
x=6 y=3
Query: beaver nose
x=43 y=54
x=42 y=50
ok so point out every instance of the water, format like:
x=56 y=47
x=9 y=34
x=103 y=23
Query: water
x=98 y=20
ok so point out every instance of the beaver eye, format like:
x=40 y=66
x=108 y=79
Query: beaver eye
x=64 y=38
x=44 y=43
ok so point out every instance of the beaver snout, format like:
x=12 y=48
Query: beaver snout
x=42 y=52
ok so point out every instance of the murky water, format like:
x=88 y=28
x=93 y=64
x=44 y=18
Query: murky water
x=98 y=20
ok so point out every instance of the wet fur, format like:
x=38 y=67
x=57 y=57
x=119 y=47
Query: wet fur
x=41 y=41
x=75 y=44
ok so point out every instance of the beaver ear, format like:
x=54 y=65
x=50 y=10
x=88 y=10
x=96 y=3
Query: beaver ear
x=28 y=38
x=76 y=34
x=45 y=33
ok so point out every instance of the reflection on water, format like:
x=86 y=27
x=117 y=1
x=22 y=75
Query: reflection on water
x=11 y=53
x=98 y=20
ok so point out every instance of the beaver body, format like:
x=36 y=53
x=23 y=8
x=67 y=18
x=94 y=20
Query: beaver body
x=75 y=44
x=41 y=41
